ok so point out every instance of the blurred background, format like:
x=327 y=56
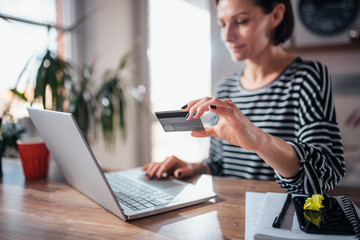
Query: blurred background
x=114 y=63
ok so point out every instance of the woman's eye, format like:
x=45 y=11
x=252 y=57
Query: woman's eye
x=242 y=22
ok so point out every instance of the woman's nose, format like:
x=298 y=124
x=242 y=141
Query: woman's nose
x=228 y=34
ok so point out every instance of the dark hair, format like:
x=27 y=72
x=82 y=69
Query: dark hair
x=285 y=28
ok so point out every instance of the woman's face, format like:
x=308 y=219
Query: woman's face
x=245 y=29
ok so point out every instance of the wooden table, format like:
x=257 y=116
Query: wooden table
x=51 y=209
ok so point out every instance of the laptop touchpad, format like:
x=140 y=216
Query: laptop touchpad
x=160 y=184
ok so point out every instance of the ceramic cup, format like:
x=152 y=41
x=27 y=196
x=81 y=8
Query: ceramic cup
x=35 y=157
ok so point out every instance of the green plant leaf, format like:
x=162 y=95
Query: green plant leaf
x=18 y=94
x=40 y=78
x=52 y=81
x=82 y=114
x=52 y=75
x=107 y=120
x=121 y=105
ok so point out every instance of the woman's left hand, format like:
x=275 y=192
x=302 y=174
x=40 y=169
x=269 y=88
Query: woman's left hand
x=237 y=129
x=233 y=125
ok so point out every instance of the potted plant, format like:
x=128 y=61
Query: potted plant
x=82 y=101
x=71 y=90
x=52 y=73
x=106 y=107
x=119 y=86
x=62 y=86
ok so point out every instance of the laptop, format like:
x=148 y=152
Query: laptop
x=127 y=194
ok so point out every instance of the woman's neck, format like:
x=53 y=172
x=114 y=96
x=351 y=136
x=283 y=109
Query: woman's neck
x=265 y=68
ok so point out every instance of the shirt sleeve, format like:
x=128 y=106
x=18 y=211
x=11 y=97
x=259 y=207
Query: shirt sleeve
x=318 y=145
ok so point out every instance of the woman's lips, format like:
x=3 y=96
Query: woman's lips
x=237 y=47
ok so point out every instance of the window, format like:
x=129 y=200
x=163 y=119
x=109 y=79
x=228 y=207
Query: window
x=21 y=41
x=180 y=70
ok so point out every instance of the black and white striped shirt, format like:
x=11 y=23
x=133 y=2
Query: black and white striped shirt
x=297 y=107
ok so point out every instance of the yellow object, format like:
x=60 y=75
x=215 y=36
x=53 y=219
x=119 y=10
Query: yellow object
x=314 y=216
x=314 y=203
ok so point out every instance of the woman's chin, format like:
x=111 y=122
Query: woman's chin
x=237 y=58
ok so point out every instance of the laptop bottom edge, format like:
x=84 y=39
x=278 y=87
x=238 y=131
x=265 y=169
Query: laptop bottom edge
x=167 y=209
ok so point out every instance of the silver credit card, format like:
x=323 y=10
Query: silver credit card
x=173 y=121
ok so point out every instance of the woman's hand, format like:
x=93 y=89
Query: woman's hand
x=233 y=125
x=238 y=130
x=171 y=166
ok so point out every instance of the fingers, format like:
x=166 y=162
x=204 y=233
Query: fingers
x=197 y=107
x=184 y=172
x=151 y=169
x=225 y=108
x=166 y=168
x=171 y=166
x=163 y=169
x=145 y=167
x=208 y=132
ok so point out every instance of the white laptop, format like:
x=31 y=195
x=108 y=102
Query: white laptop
x=127 y=194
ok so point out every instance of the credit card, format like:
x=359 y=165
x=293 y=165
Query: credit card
x=173 y=121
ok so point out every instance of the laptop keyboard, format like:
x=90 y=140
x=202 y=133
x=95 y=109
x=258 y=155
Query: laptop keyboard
x=136 y=196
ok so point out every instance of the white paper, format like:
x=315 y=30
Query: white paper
x=253 y=204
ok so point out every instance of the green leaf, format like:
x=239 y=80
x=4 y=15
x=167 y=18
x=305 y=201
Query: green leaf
x=82 y=114
x=40 y=79
x=107 y=121
x=18 y=94
x=121 y=104
x=52 y=81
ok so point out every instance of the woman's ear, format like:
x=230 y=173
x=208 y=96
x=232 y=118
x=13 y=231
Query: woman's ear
x=277 y=15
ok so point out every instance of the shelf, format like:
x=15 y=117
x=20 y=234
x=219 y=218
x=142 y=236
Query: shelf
x=321 y=48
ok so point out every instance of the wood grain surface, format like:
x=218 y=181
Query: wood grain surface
x=51 y=209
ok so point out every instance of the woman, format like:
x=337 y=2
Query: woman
x=276 y=117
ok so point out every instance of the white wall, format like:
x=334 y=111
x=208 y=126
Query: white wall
x=103 y=38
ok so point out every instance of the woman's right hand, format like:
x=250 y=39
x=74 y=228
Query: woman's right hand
x=170 y=166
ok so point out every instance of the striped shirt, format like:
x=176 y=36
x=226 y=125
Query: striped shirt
x=297 y=107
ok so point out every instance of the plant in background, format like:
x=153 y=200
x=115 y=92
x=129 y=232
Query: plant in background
x=83 y=103
x=11 y=132
x=52 y=73
x=119 y=87
x=105 y=108
x=72 y=90
x=69 y=90
x=46 y=81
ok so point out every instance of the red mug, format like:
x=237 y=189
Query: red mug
x=35 y=158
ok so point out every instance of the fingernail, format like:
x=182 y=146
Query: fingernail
x=183 y=107
x=213 y=106
x=194 y=114
x=187 y=115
